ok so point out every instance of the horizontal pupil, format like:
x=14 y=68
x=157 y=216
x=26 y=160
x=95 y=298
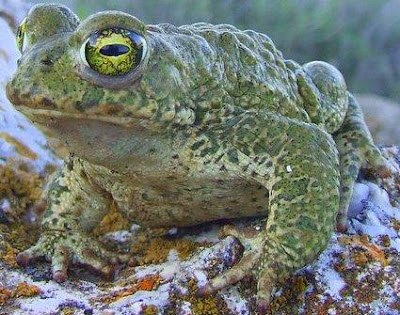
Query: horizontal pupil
x=114 y=50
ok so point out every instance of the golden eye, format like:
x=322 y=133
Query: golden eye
x=114 y=51
x=21 y=35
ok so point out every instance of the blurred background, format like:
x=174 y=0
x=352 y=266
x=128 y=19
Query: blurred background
x=360 y=37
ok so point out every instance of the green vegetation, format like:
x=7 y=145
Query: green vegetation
x=360 y=37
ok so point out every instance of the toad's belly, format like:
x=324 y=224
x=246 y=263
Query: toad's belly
x=178 y=204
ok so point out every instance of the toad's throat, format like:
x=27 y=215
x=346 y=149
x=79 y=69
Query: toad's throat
x=113 y=142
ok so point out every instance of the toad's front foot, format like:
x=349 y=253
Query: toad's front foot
x=64 y=248
x=251 y=264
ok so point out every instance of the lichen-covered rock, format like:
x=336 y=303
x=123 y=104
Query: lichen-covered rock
x=359 y=272
x=18 y=138
x=25 y=163
x=25 y=159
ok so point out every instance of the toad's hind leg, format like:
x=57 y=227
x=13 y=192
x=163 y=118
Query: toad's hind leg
x=356 y=147
x=298 y=164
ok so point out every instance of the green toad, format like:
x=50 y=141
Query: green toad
x=178 y=126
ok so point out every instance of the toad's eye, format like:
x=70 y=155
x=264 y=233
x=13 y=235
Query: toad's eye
x=114 y=51
x=21 y=35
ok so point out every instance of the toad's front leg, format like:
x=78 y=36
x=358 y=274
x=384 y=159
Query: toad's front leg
x=75 y=206
x=298 y=164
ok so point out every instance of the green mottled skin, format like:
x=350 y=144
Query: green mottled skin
x=214 y=123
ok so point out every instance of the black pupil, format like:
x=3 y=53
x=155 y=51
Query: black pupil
x=114 y=50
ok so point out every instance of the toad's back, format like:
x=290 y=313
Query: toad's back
x=226 y=65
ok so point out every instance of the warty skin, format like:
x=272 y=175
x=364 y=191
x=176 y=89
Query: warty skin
x=212 y=123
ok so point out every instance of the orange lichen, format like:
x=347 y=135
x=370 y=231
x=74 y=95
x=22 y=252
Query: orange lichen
x=19 y=146
x=377 y=253
x=23 y=289
x=363 y=241
x=26 y=290
x=5 y=294
x=148 y=283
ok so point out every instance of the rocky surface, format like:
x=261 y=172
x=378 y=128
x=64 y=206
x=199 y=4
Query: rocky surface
x=383 y=117
x=359 y=272
x=13 y=11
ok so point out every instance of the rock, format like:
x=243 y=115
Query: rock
x=382 y=116
x=25 y=158
x=359 y=272
x=13 y=12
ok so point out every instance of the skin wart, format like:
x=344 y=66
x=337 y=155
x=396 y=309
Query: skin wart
x=210 y=122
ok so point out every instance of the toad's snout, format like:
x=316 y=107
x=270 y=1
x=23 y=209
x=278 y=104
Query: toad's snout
x=12 y=93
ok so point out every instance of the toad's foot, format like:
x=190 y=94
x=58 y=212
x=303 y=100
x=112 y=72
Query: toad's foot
x=250 y=265
x=64 y=248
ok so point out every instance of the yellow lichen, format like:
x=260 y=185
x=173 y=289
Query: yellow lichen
x=67 y=311
x=385 y=239
x=158 y=249
x=359 y=258
x=19 y=146
x=151 y=310
x=20 y=186
x=25 y=290
x=17 y=236
x=205 y=305
x=112 y=221
x=293 y=292
x=9 y=256
x=396 y=224
x=5 y=294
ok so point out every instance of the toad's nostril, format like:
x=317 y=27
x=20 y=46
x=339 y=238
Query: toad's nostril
x=48 y=103
x=46 y=61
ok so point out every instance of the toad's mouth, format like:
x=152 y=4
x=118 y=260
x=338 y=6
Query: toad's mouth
x=47 y=117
